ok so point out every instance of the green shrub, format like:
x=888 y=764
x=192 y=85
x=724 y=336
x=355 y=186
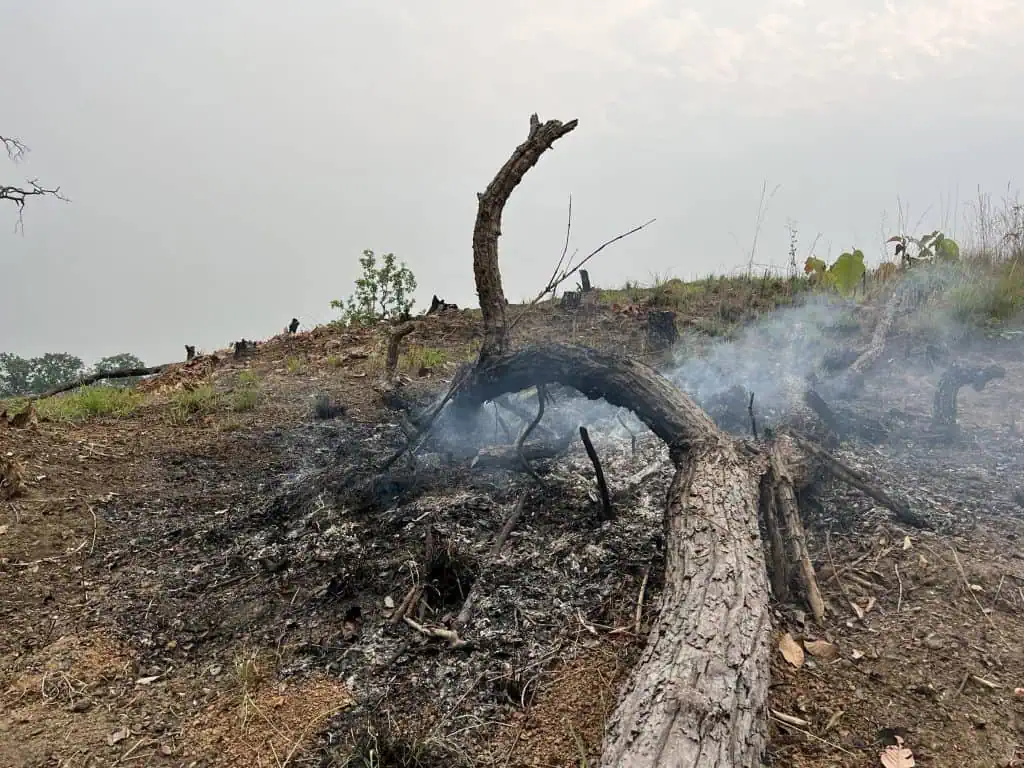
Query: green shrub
x=383 y=292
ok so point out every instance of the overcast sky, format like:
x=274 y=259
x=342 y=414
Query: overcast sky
x=227 y=161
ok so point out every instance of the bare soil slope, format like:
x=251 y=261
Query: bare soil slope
x=215 y=586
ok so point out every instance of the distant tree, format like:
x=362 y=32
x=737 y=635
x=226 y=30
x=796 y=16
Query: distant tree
x=19 y=194
x=29 y=376
x=55 y=368
x=382 y=293
x=15 y=375
x=120 y=362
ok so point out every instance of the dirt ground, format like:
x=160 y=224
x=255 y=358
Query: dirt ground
x=218 y=591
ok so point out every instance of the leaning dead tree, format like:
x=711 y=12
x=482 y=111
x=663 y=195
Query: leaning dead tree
x=698 y=695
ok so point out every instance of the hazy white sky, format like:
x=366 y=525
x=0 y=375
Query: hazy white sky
x=228 y=160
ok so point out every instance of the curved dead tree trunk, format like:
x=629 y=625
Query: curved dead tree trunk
x=488 y=228
x=698 y=695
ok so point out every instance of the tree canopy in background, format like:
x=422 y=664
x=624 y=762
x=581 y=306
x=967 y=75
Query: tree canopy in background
x=30 y=376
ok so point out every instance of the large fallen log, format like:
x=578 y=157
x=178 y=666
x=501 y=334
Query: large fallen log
x=84 y=381
x=698 y=696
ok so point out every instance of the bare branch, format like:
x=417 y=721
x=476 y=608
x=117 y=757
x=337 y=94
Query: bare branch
x=557 y=279
x=16 y=151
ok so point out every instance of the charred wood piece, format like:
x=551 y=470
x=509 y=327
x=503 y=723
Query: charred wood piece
x=661 y=329
x=572 y=300
x=956 y=377
x=440 y=305
x=293 y=326
x=584 y=281
x=244 y=348
x=607 y=513
x=190 y=352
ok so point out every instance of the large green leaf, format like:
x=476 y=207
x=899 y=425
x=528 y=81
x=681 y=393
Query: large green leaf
x=946 y=249
x=848 y=271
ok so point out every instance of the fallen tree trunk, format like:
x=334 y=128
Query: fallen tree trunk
x=85 y=381
x=698 y=696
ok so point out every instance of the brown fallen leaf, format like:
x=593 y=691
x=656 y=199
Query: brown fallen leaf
x=822 y=649
x=791 y=650
x=897 y=756
x=857 y=609
x=119 y=735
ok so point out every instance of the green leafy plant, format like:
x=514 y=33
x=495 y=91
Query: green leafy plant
x=844 y=275
x=382 y=293
x=934 y=247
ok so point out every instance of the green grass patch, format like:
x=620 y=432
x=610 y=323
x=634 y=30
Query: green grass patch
x=89 y=402
x=417 y=357
x=189 y=403
x=992 y=296
x=294 y=366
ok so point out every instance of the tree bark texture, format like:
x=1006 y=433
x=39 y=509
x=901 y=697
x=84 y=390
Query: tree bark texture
x=697 y=698
x=488 y=228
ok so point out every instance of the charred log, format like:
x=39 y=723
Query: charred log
x=714 y=606
x=951 y=382
x=293 y=326
x=190 y=352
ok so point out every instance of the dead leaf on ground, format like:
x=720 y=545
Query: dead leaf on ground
x=857 y=609
x=791 y=650
x=897 y=756
x=906 y=542
x=119 y=735
x=822 y=649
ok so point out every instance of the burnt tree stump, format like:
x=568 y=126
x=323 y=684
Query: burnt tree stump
x=661 y=329
x=572 y=300
x=950 y=384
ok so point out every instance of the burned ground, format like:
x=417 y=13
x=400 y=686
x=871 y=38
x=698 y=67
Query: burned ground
x=218 y=591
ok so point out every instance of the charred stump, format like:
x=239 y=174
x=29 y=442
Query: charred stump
x=440 y=305
x=572 y=300
x=584 y=281
x=661 y=329
x=190 y=352
x=951 y=382
x=244 y=348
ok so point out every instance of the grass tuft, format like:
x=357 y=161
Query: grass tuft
x=89 y=402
